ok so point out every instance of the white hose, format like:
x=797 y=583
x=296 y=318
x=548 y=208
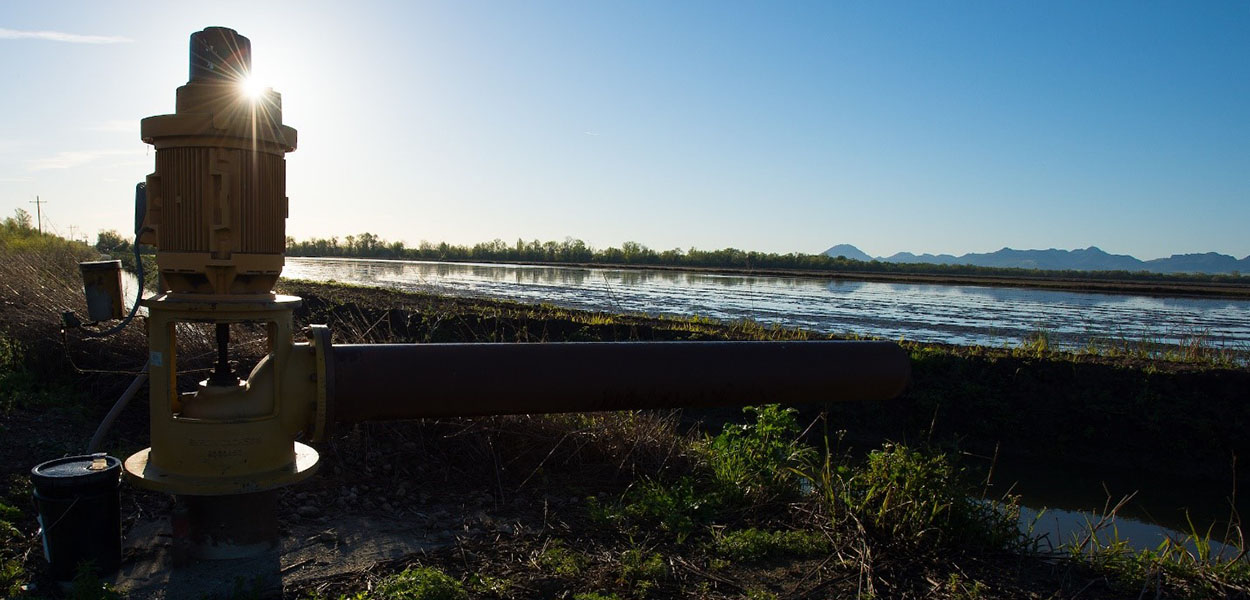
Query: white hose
x=117 y=409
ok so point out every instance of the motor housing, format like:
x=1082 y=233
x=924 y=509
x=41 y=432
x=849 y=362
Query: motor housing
x=216 y=203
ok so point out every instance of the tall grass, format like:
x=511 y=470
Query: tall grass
x=1190 y=347
x=901 y=496
x=1188 y=565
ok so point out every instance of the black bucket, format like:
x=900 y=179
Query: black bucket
x=79 y=513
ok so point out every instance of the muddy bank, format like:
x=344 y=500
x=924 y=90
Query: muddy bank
x=1174 y=419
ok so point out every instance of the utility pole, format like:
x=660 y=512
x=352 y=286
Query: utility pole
x=73 y=233
x=39 y=211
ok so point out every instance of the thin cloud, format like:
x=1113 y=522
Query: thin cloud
x=68 y=160
x=125 y=164
x=116 y=126
x=61 y=36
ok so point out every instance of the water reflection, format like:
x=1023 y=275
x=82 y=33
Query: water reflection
x=955 y=314
x=1056 y=500
x=841 y=286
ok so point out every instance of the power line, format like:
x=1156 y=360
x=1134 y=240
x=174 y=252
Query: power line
x=39 y=211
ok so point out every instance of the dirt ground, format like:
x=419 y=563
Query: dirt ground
x=489 y=501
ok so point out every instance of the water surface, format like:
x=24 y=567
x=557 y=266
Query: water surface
x=955 y=314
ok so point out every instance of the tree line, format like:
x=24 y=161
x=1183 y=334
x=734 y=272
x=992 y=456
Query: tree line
x=575 y=251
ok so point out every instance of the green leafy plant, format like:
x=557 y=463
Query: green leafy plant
x=419 y=583
x=560 y=560
x=756 y=460
x=681 y=507
x=745 y=464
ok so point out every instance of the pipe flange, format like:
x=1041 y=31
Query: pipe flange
x=319 y=338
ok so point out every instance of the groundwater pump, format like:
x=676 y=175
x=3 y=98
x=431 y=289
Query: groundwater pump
x=216 y=209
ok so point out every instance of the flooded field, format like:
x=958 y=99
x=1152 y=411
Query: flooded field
x=954 y=314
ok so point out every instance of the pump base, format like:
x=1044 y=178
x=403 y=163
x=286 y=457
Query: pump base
x=143 y=474
x=224 y=527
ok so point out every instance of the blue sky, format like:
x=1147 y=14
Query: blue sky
x=929 y=127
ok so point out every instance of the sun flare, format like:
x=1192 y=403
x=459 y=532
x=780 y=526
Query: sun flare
x=251 y=88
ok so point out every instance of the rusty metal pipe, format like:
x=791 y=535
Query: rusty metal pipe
x=373 y=382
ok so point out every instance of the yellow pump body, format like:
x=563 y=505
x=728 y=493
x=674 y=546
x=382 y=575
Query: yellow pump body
x=216 y=211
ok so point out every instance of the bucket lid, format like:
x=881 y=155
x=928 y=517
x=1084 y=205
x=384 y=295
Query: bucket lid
x=76 y=471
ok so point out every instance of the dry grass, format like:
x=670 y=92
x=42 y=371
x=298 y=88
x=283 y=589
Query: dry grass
x=39 y=279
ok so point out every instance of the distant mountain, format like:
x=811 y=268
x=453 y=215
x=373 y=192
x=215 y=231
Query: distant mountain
x=1088 y=259
x=1085 y=259
x=848 y=251
x=1209 y=262
x=933 y=259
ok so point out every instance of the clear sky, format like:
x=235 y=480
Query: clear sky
x=778 y=126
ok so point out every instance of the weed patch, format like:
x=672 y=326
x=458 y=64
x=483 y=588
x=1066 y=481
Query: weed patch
x=1185 y=567
x=558 y=559
x=917 y=500
x=418 y=583
x=757 y=544
x=745 y=465
x=480 y=583
x=87 y=585
x=641 y=571
x=755 y=460
x=595 y=596
x=678 y=508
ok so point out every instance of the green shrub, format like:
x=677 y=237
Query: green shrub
x=744 y=464
x=757 y=460
x=680 y=507
x=912 y=498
